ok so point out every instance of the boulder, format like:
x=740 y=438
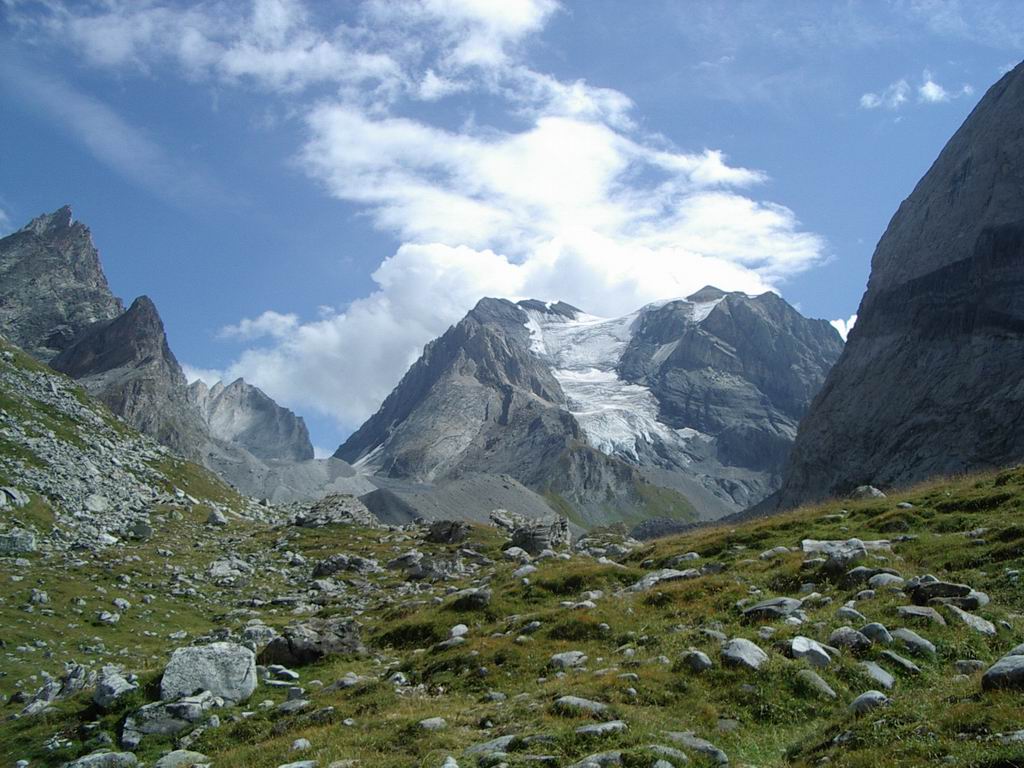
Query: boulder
x=813 y=652
x=868 y=701
x=105 y=760
x=226 y=670
x=309 y=641
x=1008 y=672
x=111 y=687
x=774 y=608
x=447 y=532
x=740 y=652
x=535 y=537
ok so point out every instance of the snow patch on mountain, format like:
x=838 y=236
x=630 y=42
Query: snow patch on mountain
x=584 y=351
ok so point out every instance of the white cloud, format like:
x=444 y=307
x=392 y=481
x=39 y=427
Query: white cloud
x=893 y=97
x=931 y=91
x=844 y=326
x=209 y=376
x=897 y=94
x=562 y=197
x=6 y=225
x=270 y=323
x=112 y=140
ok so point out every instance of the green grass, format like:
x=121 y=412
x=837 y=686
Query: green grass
x=934 y=719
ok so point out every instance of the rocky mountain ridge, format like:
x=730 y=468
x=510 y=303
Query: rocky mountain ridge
x=687 y=405
x=56 y=303
x=929 y=382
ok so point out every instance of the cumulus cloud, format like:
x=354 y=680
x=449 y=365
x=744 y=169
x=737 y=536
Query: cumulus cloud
x=844 y=326
x=270 y=323
x=563 y=196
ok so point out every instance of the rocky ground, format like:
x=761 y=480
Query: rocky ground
x=172 y=629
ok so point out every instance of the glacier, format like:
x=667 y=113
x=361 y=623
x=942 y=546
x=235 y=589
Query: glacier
x=617 y=417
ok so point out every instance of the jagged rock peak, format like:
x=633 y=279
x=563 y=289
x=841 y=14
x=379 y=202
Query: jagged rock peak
x=49 y=224
x=52 y=286
x=243 y=414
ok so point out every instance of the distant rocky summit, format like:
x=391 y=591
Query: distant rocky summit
x=243 y=414
x=930 y=381
x=683 y=409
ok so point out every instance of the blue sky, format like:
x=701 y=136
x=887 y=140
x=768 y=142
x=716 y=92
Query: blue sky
x=312 y=191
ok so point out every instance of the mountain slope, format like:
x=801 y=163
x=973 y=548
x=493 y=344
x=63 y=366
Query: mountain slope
x=674 y=409
x=929 y=382
x=243 y=414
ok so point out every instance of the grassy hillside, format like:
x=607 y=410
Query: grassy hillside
x=968 y=530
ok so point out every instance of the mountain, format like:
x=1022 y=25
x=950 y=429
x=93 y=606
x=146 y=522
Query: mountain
x=51 y=285
x=56 y=304
x=243 y=414
x=930 y=380
x=683 y=409
x=127 y=364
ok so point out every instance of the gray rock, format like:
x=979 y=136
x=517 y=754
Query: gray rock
x=876 y=633
x=850 y=639
x=913 y=642
x=574 y=705
x=447 y=532
x=697 y=661
x=923 y=614
x=740 y=652
x=903 y=663
x=111 y=687
x=1008 y=672
x=17 y=542
x=602 y=729
x=868 y=701
x=774 y=608
x=813 y=681
x=703 y=747
x=538 y=536
x=924 y=593
x=809 y=650
x=567 y=660
x=105 y=760
x=978 y=624
x=225 y=669
x=866 y=492
x=878 y=674
x=654 y=578
x=308 y=641
x=181 y=758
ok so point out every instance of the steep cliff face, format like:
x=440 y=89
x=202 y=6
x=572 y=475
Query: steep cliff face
x=674 y=409
x=242 y=414
x=51 y=285
x=930 y=380
x=127 y=363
